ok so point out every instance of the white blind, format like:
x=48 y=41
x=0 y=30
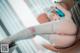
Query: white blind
x=15 y=18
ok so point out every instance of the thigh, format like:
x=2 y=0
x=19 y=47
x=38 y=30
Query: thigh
x=75 y=48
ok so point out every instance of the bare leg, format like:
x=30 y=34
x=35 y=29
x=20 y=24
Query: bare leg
x=46 y=28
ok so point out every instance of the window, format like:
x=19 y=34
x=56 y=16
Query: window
x=15 y=16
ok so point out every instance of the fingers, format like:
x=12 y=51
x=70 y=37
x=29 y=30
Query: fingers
x=51 y=47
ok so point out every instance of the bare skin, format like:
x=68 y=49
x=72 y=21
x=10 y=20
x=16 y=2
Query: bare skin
x=73 y=49
x=42 y=19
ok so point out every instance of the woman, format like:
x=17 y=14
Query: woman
x=43 y=18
